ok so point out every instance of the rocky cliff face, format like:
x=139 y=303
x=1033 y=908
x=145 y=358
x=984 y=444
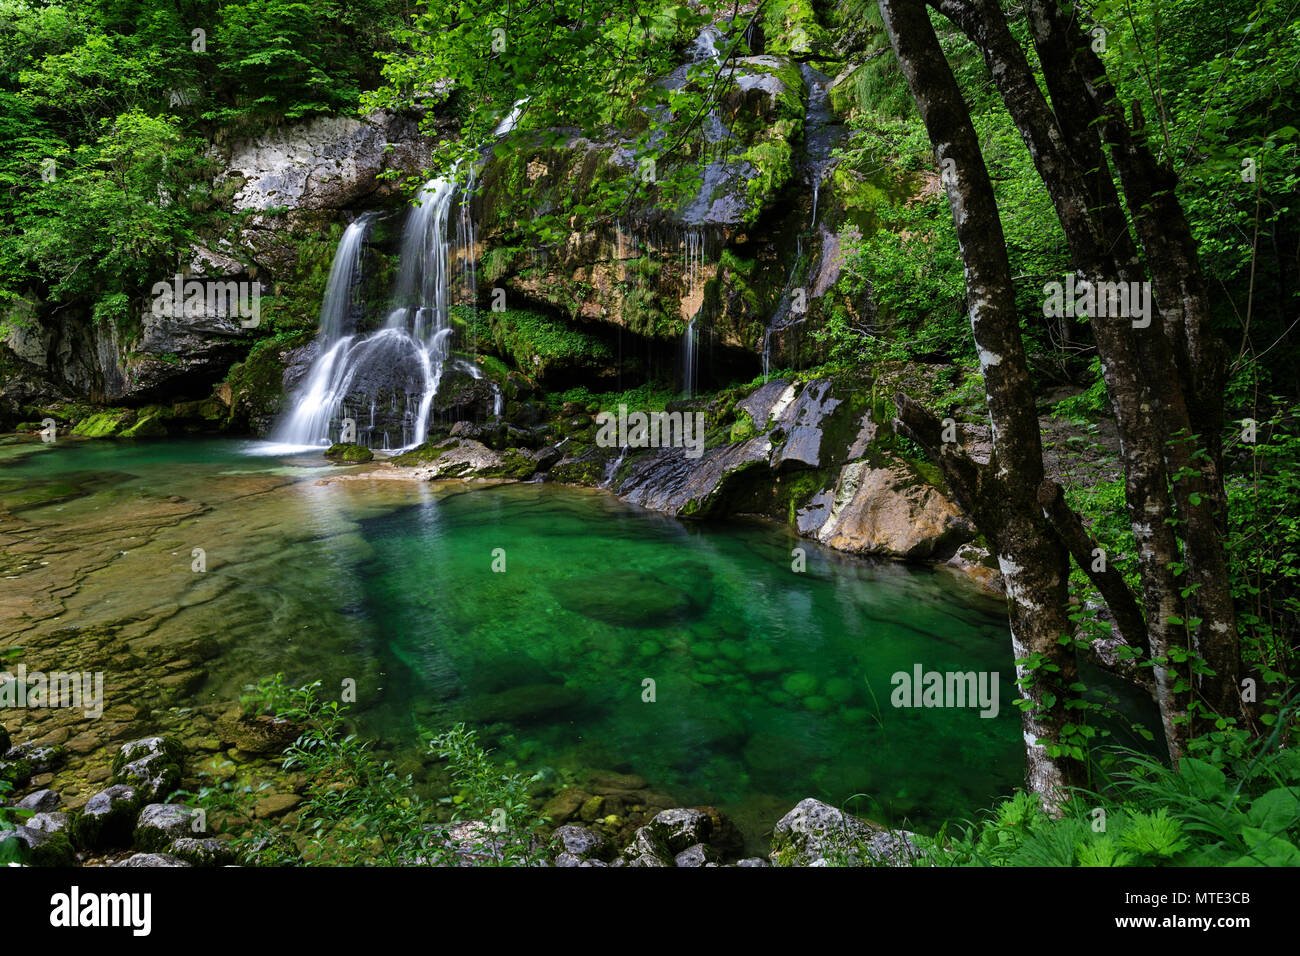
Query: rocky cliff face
x=283 y=186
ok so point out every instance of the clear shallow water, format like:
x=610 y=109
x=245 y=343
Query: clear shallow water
x=770 y=685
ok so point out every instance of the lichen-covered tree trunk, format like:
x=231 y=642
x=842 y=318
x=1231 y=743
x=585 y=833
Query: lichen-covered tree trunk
x=1002 y=496
x=1192 y=382
x=1149 y=370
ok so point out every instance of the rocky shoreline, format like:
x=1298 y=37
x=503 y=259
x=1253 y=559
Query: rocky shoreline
x=617 y=820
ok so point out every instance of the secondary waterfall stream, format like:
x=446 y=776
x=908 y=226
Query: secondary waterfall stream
x=383 y=381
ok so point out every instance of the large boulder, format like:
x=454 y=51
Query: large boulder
x=108 y=818
x=887 y=509
x=151 y=766
x=161 y=823
x=817 y=834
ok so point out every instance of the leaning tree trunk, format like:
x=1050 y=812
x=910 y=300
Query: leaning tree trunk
x=1001 y=496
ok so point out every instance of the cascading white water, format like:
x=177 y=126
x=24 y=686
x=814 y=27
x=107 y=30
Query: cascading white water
x=307 y=423
x=692 y=263
x=397 y=367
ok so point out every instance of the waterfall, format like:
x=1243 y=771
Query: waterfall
x=690 y=359
x=396 y=369
x=821 y=134
x=511 y=120
x=692 y=263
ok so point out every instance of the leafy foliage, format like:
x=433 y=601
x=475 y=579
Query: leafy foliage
x=358 y=810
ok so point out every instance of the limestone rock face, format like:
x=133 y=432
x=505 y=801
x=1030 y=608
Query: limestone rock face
x=888 y=510
x=330 y=162
x=813 y=463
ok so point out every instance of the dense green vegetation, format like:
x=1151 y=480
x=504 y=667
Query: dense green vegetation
x=109 y=112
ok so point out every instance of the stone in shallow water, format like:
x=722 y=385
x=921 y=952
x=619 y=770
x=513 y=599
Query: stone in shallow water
x=625 y=599
x=151 y=859
x=521 y=705
x=161 y=823
x=564 y=805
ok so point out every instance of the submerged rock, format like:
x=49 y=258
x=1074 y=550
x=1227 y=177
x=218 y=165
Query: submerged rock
x=257 y=733
x=522 y=704
x=656 y=601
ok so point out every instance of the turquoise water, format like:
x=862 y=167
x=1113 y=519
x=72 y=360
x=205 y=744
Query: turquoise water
x=769 y=684
x=541 y=615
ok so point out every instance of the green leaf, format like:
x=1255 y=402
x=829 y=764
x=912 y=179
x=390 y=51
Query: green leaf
x=1203 y=780
x=1275 y=811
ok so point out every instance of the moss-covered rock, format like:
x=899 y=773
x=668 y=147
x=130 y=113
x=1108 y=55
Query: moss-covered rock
x=346 y=453
x=106 y=424
x=515 y=465
x=423 y=454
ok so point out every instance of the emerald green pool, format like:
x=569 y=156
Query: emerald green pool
x=769 y=684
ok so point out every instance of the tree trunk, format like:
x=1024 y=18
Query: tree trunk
x=1002 y=496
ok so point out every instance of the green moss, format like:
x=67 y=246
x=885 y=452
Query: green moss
x=420 y=455
x=150 y=423
x=105 y=424
x=514 y=464
x=349 y=454
x=580 y=471
x=744 y=428
x=539 y=343
x=257 y=383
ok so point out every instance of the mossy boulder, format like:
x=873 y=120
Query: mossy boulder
x=159 y=824
x=106 y=424
x=39 y=847
x=108 y=818
x=346 y=453
x=420 y=455
x=198 y=851
x=515 y=465
x=151 y=766
x=150 y=422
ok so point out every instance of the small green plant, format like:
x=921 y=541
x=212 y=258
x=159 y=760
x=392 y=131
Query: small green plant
x=358 y=810
x=1244 y=812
